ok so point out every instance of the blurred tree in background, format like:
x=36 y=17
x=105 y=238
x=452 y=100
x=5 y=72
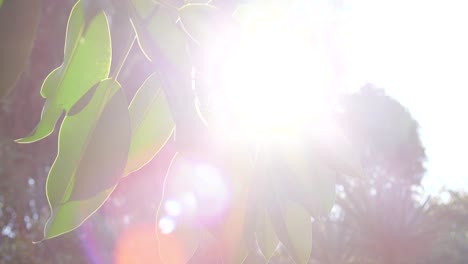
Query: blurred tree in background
x=23 y=207
x=383 y=217
x=451 y=216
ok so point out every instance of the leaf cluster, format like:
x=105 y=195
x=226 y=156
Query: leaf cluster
x=104 y=137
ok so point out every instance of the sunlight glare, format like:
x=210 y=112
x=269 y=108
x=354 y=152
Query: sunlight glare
x=277 y=79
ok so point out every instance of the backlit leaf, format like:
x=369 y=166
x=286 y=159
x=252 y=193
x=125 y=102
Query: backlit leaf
x=236 y=233
x=144 y=7
x=151 y=121
x=159 y=35
x=178 y=234
x=72 y=214
x=93 y=149
x=239 y=253
x=199 y=21
x=91 y=8
x=310 y=181
x=293 y=226
x=18 y=33
x=266 y=237
x=86 y=62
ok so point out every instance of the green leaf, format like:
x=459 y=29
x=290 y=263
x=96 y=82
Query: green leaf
x=86 y=62
x=266 y=237
x=169 y=37
x=185 y=233
x=293 y=226
x=72 y=214
x=91 y=8
x=241 y=251
x=317 y=192
x=18 y=24
x=160 y=35
x=236 y=232
x=144 y=7
x=151 y=121
x=310 y=182
x=199 y=21
x=93 y=149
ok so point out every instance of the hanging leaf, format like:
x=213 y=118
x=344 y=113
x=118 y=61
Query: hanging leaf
x=200 y=21
x=266 y=237
x=151 y=121
x=18 y=35
x=178 y=232
x=160 y=36
x=164 y=42
x=293 y=226
x=91 y=8
x=144 y=8
x=236 y=233
x=71 y=215
x=310 y=182
x=139 y=11
x=93 y=148
x=86 y=62
x=239 y=253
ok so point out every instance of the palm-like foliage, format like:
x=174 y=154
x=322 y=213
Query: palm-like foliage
x=385 y=227
x=452 y=246
x=378 y=219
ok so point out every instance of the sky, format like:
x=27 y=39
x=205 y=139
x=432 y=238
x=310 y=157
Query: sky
x=418 y=52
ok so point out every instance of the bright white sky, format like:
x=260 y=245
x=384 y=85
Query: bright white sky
x=418 y=51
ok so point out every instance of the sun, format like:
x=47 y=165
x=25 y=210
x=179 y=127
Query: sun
x=277 y=79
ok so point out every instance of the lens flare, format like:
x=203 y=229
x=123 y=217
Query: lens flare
x=189 y=201
x=138 y=244
x=196 y=194
x=278 y=78
x=172 y=207
x=211 y=191
x=166 y=225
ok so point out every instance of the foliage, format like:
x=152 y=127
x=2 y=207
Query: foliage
x=390 y=150
x=23 y=169
x=102 y=138
x=393 y=228
x=112 y=133
x=382 y=217
x=452 y=216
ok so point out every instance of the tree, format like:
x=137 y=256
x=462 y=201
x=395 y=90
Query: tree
x=391 y=151
x=247 y=196
x=381 y=218
x=451 y=245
